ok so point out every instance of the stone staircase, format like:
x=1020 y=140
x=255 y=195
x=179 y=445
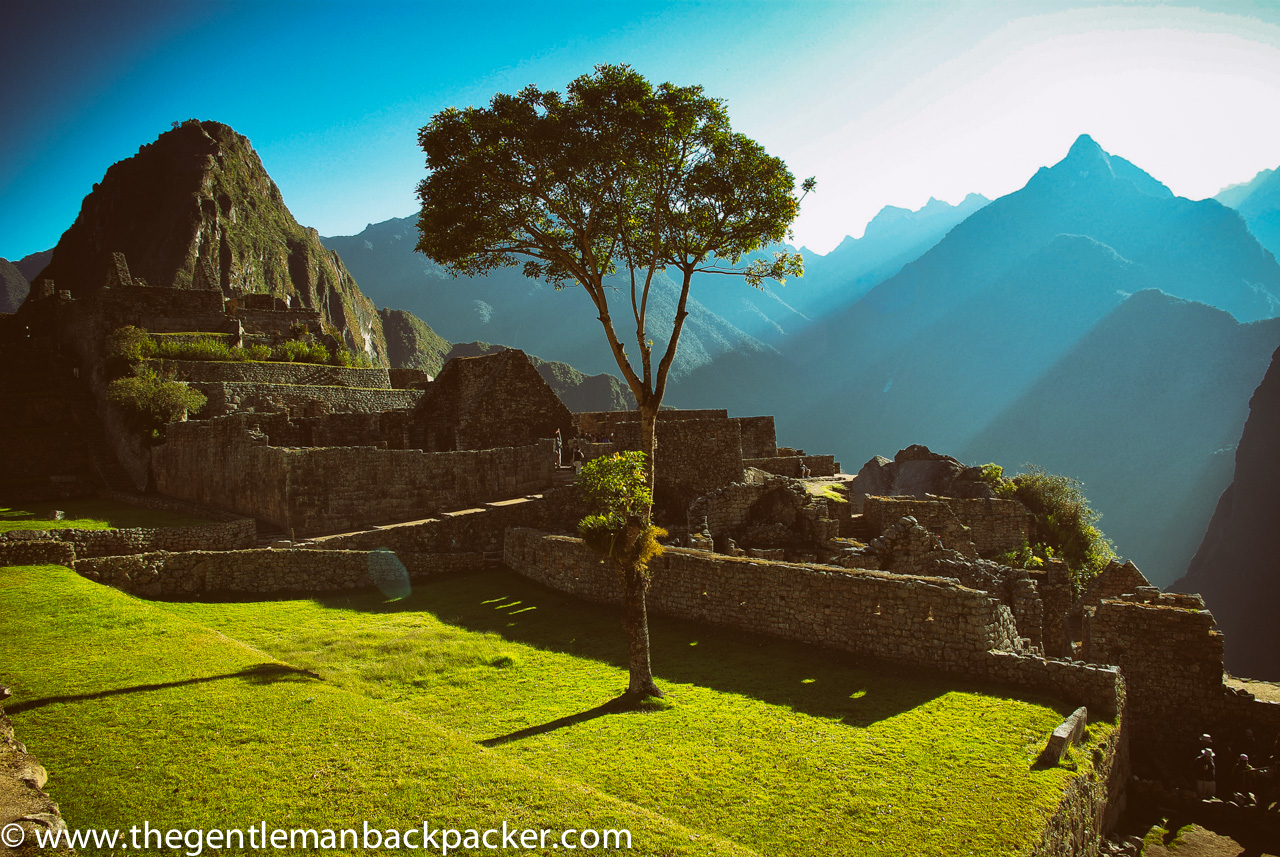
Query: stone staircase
x=857 y=527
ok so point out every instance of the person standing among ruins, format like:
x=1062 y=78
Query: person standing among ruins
x=1206 y=775
x=558 y=448
x=579 y=458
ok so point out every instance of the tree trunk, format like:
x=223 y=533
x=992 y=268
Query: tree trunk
x=635 y=581
x=635 y=618
x=649 y=446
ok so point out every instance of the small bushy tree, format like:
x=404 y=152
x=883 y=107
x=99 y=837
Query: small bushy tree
x=1063 y=522
x=616 y=490
x=149 y=402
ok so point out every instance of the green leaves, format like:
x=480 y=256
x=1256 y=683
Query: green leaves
x=616 y=484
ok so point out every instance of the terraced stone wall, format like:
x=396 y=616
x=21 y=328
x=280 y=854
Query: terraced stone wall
x=303 y=374
x=163 y=574
x=229 y=464
x=228 y=397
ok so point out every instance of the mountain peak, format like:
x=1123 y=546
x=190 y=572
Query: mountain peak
x=1085 y=150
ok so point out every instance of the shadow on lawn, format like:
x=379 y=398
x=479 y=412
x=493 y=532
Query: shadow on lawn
x=257 y=674
x=809 y=679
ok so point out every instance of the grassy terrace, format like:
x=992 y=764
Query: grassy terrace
x=484 y=698
x=88 y=514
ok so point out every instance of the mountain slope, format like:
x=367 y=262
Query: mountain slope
x=197 y=210
x=1235 y=568
x=504 y=306
x=13 y=287
x=411 y=343
x=32 y=264
x=1144 y=410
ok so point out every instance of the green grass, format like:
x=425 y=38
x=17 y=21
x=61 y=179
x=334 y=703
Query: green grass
x=144 y=715
x=785 y=749
x=89 y=514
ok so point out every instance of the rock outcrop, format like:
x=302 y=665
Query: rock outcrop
x=917 y=472
x=1236 y=568
x=197 y=210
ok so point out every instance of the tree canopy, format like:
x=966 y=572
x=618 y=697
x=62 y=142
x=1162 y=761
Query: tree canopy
x=615 y=175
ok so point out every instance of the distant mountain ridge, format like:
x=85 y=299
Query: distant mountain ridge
x=939 y=352
x=1258 y=202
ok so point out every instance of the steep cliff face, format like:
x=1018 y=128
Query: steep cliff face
x=1237 y=568
x=197 y=210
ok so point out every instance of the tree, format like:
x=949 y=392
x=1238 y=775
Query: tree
x=615 y=176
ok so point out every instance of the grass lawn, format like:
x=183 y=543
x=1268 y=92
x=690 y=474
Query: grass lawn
x=88 y=514
x=144 y=715
x=783 y=748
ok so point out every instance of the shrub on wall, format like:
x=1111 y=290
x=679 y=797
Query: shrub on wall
x=1062 y=521
x=149 y=402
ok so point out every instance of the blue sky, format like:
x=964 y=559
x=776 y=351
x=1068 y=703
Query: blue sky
x=886 y=103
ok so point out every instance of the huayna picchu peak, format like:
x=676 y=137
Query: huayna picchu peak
x=196 y=209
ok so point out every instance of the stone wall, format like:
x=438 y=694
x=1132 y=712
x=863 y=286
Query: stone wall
x=27 y=547
x=993 y=526
x=694 y=457
x=759 y=438
x=928 y=623
x=277 y=320
x=225 y=464
x=790 y=465
x=227 y=397
x=604 y=423
x=230 y=535
x=898 y=619
x=1091 y=803
x=23 y=801
x=1172 y=662
x=255 y=372
x=162 y=574
x=490 y=401
x=157 y=309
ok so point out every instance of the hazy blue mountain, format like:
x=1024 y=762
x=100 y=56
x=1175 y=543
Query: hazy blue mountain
x=963 y=334
x=13 y=287
x=894 y=237
x=1146 y=411
x=1258 y=202
x=31 y=265
x=506 y=307
x=1235 y=568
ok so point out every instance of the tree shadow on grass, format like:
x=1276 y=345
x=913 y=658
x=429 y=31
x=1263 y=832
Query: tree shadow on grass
x=807 y=678
x=267 y=673
x=614 y=706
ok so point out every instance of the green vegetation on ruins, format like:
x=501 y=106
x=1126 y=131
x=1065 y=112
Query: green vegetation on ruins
x=131 y=345
x=88 y=514
x=1063 y=522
